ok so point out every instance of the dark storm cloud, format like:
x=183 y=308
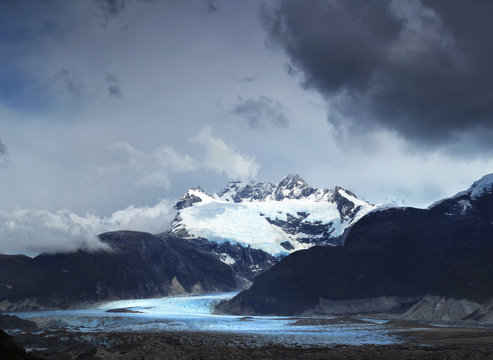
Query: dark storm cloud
x=114 y=88
x=70 y=82
x=261 y=111
x=423 y=70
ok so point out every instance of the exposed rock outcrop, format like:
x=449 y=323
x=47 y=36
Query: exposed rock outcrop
x=439 y=309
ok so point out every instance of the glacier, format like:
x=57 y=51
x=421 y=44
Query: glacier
x=195 y=313
x=276 y=218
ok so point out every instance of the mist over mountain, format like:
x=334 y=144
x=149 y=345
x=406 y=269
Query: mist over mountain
x=139 y=265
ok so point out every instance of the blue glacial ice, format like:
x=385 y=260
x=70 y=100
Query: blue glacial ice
x=194 y=313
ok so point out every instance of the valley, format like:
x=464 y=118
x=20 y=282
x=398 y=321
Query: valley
x=186 y=327
x=393 y=281
x=212 y=179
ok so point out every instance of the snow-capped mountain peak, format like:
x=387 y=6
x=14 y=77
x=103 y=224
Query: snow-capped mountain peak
x=277 y=218
x=238 y=191
x=481 y=187
x=292 y=187
x=466 y=202
x=193 y=196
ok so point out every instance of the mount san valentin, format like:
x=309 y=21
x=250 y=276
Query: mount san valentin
x=275 y=218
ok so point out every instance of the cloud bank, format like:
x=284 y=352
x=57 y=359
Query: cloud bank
x=32 y=232
x=419 y=68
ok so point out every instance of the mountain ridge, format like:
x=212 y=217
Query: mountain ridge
x=140 y=265
x=397 y=252
x=288 y=216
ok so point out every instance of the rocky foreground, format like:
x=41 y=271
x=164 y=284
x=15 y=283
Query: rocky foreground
x=424 y=343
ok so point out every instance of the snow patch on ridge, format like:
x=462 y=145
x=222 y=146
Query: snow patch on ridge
x=481 y=187
x=476 y=190
x=198 y=192
x=465 y=204
x=225 y=258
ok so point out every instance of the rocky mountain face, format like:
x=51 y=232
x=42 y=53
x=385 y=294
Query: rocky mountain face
x=140 y=265
x=245 y=262
x=393 y=256
x=471 y=279
x=275 y=218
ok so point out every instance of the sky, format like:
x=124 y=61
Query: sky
x=111 y=109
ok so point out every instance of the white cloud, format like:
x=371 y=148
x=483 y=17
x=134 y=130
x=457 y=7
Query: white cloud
x=222 y=158
x=152 y=169
x=31 y=232
x=27 y=231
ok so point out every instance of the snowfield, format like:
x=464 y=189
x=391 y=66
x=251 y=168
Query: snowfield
x=262 y=221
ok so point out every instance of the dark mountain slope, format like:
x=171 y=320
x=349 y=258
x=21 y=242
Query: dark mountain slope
x=139 y=265
x=471 y=279
x=245 y=262
x=9 y=350
x=396 y=252
x=462 y=294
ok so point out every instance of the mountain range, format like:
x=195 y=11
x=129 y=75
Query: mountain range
x=276 y=218
x=306 y=251
x=250 y=226
x=218 y=242
x=391 y=259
